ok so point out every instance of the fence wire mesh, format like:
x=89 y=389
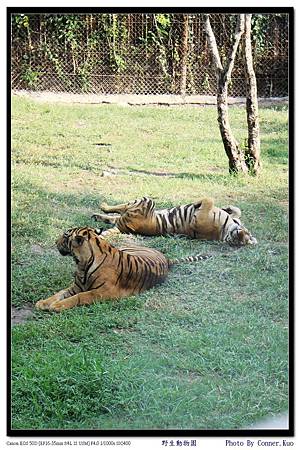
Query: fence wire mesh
x=142 y=53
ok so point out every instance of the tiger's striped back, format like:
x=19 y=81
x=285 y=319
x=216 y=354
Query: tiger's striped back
x=124 y=271
x=104 y=272
x=174 y=220
x=130 y=269
x=141 y=268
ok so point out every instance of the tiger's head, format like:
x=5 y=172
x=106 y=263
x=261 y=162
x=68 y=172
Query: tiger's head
x=239 y=236
x=77 y=242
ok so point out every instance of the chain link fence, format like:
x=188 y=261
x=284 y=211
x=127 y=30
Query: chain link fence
x=142 y=53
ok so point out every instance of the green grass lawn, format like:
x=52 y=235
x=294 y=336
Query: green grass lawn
x=206 y=350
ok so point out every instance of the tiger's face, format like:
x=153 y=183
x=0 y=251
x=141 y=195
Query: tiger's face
x=77 y=242
x=240 y=236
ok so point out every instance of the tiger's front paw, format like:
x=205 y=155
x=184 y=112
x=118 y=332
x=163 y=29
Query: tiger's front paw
x=61 y=305
x=42 y=304
x=57 y=306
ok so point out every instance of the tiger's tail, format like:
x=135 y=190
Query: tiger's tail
x=188 y=259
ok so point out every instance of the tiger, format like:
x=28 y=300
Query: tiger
x=105 y=272
x=198 y=220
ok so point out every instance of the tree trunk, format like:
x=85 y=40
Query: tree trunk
x=184 y=53
x=252 y=153
x=231 y=146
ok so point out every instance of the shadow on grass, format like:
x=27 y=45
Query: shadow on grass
x=60 y=163
x=274 y=126
x=213 y=177
x=189 y=175
x=278 y=153
x=47 y=211
x=278 y=107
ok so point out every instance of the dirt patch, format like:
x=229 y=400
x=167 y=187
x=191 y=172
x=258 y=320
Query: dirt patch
x=189 y=375
x=123 y=330
x=284 y=203
x=140 y=100
x=37 y=249
x=20 y=315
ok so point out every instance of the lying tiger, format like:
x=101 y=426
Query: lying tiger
x=105 y=272
x=199 y=220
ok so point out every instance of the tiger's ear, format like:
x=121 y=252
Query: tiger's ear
x=241 y=235
x=78 y=241
x=98 y=230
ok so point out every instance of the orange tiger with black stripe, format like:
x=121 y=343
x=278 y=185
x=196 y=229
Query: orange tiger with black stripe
x=199 y=220
x=105 y=272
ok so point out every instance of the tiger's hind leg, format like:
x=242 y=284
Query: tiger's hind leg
x=202 y=222
x=144 y=202
x=204 y=205
x=114 y=209
x=106 y=218
x=201 y=217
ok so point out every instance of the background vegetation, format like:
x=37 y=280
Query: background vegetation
x=141 y=53
x=208 y=349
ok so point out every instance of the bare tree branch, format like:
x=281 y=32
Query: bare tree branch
x=231 y=146
x=212 y=43
x=239 y=30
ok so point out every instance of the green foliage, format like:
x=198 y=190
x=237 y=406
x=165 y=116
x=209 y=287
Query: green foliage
x=164 y=21
x=31 y=77
x=205 y=350
x=262 y=26
x=205 y=82
x=76 y=47
x=20 y=20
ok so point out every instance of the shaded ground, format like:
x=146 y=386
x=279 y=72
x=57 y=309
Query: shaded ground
x=20 y=315
x=142 y=100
